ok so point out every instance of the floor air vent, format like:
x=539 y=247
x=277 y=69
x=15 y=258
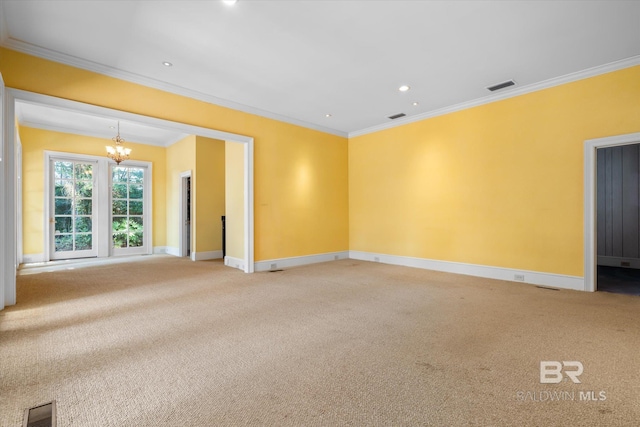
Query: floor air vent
x=41 y=416
x=397 y=116
x=501 y=85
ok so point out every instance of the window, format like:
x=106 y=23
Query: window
x=127 y=207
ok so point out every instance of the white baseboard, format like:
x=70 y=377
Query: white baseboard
x=31 y=258
x=280 y=263
x=203 y=256
x=169 y=250
x=522 y=276
x=234 y=262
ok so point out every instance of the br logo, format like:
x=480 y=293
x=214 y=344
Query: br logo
x=551 y=371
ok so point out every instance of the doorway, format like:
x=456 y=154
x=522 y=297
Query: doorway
x=185 y=214
x=73 y=201
x=593 y=239
x=618 y=219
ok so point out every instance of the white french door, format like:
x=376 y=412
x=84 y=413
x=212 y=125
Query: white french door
x=72 y=209
x=128 y=210
x=96 y=208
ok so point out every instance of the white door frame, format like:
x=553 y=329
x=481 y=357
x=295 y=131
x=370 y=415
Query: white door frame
x=16 y=95
x=590 y=206
x=147 y=248
x=97 y=207
x=8 y=234
x=183 y=242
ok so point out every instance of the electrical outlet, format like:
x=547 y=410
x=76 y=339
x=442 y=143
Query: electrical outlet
x=376 y=259
x=274 y=266
x=519 y=277
x=335 y=257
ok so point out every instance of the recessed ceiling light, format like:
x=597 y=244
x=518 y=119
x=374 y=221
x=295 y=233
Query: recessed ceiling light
x=415 y=104
x=229 y=2
x=327 y=115
x=404 y=88
x=167 y=64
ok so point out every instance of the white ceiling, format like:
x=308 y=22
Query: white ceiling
x=301 y=60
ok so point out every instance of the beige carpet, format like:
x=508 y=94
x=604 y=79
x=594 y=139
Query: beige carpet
x=168 y=342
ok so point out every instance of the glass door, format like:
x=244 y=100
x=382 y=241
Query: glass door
x=128 y=210
x=73 y=209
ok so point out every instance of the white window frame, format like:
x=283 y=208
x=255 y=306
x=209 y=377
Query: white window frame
x=147 y=213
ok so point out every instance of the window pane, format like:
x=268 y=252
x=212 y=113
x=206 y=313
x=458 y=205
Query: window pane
x=83 y=224
x=135 y=223
x=119 y=240
x=135 y=191
x=136 y=176
x=119 y=174
x=64 y=188
x=63 y=224
x=83 y=206
x=63 y=170
x=119 y=207
x=84 y=171
x=135 y=239
x=135 y=208
x=84 y=188
x=64 y=242
x=119 y=191
x=119 y=224
x=63 y=206
x=83 y=242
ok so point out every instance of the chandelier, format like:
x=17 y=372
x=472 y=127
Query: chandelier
x=118 y=153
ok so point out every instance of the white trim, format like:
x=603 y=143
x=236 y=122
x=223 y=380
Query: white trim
x=160 y=250
x=206 y=255
x=27 y=48
x=508 y=93
x=98 y=194
x=8 y=235
x=248 y=208
x=171 y=250
x=13 y=95
x=32 y=258
x=590 y=207
x=280 y=263
x=238 y=263
x=19 y=193
x=5 y=208
x=500 y=273
x=147 y=203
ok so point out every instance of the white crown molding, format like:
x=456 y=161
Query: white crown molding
x=20 y=46
x=509 y=93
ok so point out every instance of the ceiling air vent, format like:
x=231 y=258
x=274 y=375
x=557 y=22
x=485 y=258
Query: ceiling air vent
x=501 y=85
x=397 y=116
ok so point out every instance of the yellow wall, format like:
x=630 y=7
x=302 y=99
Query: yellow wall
x=301 y=200
x=181 y=157
x=209 y=193
x=234 y=221
x=36 y=141
x=498 y=185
